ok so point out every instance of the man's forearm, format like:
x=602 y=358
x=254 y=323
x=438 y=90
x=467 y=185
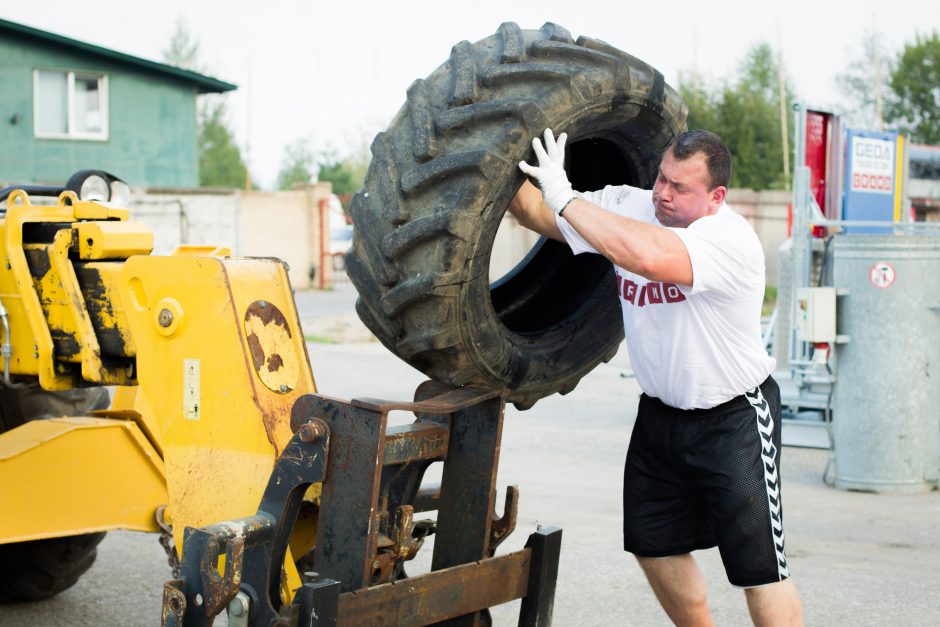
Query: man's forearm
x=530 y=210
x=648 y=250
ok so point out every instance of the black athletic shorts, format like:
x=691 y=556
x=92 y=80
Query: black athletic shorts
x=700 y=478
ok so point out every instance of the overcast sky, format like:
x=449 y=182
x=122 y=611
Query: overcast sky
x=336 y=72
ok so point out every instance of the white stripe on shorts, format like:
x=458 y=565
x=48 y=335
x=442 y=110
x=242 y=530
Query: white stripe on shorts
x=765 y=425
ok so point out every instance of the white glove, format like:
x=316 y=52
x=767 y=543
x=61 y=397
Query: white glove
x=550 y=172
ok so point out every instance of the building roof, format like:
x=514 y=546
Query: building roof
x=205 y=84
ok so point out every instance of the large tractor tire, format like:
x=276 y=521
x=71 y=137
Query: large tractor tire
x=39 y=569
x=440 y=180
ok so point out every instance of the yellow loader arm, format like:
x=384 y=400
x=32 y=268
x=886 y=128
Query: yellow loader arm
x=207 y=351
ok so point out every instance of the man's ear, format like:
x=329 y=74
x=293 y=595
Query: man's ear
x=717 y=197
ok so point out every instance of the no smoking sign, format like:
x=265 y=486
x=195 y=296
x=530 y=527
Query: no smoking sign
x=882 y=274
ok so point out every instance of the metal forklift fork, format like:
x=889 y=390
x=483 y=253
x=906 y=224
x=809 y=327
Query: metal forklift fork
x=371 y=476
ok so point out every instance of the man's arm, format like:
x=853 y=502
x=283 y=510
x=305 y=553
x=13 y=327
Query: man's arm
x=530 y=210
x=651 y=251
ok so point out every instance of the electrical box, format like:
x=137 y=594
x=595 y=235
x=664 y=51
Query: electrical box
x=816 y=314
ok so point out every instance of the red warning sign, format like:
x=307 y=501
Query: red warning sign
x=882 y=274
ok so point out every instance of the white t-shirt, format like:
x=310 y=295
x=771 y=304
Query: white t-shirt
x=699 y=346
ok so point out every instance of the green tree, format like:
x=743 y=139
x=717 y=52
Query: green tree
x=703 y=107
x=751 y=115
x=220 y=160
x=345 y=174
x=183 y=50
x=863 y=79
x=296 y=165
x=915 y=103
x=745 y=112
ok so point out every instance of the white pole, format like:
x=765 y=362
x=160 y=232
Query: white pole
x=876 y=51
x=783 y=113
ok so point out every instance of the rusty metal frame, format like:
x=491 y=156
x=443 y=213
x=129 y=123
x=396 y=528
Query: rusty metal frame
x=376 y=473
x=371 y=487
x=455 y=592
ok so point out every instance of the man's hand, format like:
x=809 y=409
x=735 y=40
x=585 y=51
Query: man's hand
x=550 y=172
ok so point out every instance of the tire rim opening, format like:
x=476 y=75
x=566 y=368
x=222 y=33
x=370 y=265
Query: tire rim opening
x=549 y=283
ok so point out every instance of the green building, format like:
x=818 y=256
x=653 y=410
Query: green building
x=66 y=105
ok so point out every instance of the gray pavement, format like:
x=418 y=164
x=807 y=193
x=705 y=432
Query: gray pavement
x=857 y=558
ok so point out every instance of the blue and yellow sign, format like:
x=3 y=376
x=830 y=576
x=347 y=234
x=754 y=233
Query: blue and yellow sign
x=872 y=178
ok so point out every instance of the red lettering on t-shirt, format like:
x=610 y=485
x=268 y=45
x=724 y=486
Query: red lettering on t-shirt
x=654 y=293
x=672 y=293
x=629 y=290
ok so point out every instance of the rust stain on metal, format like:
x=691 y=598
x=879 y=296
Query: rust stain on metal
x=174 y=603
x=313 y=430
x=218 y=590
x=439 y=595
x=273 y=354
x=256 y=350
x=502 y=526
x=274 y=363
x=421 y=440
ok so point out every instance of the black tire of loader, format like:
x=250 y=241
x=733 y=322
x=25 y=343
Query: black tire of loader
x=440 y=180
x=40 y=569
x=37 y=570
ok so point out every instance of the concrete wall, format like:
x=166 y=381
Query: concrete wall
x=286 y=225
x=767 y=213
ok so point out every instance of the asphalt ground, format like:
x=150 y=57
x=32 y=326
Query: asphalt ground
x=857 y=558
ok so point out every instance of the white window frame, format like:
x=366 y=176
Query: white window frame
x=70 y=97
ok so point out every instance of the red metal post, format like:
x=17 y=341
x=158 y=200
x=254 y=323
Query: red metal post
x=818 y=136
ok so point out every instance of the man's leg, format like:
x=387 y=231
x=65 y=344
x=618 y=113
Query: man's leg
x=775 y=604
x=680 y=588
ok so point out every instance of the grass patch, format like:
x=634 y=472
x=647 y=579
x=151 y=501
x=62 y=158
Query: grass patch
x=320 y=339
x=770 y=300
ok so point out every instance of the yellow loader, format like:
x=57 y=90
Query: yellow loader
x=174 y=394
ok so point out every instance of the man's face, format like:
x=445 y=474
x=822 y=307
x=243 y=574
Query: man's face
x=681 y=193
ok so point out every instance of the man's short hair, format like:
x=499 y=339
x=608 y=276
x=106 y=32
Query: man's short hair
x=716 y=153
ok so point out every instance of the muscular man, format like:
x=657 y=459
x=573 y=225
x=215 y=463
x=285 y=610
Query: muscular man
x=702 y=467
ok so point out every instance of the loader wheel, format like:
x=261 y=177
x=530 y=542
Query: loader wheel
x=39 y=569
x=440 y=180
x=32 y=571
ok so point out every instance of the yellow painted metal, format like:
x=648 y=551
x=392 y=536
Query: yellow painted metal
x=105 y=307
x=67 y=317
x=202 y=251
x=77 y=475
x=219 y=360
x=124 y=397
x=112 y=240
x=31 y=337
x=132 y=415
x=899 y=190
x=221 y=425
